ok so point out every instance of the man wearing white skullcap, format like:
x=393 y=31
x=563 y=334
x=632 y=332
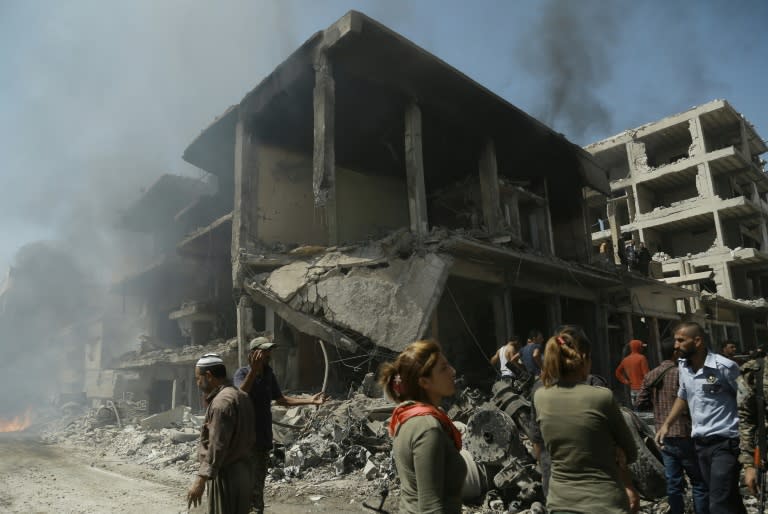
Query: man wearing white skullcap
x=225 y=451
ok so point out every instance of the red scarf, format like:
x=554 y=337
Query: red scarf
x=408 y=410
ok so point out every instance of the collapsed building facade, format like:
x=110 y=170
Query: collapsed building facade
x=381 y=196
x=177 y=301
x=692 y=187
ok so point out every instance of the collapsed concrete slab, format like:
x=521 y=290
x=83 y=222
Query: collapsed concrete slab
x=390 y=302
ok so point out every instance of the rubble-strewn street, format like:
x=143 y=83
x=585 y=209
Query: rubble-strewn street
x=331 y=458
x=290 y=195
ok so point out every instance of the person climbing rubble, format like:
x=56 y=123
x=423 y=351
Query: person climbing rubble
x=259 y=382
x=509 y=359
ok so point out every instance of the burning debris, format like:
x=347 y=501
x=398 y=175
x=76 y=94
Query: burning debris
x=17 y=423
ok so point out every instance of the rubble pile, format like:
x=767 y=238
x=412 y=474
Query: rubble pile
x=345 y=444
x=171 y=445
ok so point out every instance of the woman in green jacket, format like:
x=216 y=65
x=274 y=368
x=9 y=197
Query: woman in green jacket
x=426 y=443
x=584 y=432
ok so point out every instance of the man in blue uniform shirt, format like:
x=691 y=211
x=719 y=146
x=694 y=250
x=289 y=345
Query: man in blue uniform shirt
x=708 y=388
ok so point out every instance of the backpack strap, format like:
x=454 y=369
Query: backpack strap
x=659 y=381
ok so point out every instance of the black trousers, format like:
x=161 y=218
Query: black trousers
x=720 y=468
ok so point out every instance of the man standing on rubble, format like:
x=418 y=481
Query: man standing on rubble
x=708 y=386
x=633 y=368
x=532 y=352
x=258 y=380
x=226 y=443
x=659 y=391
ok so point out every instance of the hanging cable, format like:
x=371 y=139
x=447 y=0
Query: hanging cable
x=469 y=330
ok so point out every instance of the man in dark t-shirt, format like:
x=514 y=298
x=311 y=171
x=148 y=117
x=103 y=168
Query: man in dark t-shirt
x=260 y=383
x=532 y=352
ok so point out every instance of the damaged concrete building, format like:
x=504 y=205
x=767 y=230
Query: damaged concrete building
x=381 y=196
x=692 y=187
x=177 y=292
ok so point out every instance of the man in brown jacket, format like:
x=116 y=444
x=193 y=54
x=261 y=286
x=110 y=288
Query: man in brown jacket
x=226 y=442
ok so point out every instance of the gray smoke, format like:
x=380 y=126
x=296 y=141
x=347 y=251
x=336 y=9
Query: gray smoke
x=569 y=50
x=106 y=96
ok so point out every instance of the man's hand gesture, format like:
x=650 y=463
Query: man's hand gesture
x=320 y=398
x=258 y=359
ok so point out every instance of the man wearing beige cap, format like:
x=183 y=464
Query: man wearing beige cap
x=258 y=380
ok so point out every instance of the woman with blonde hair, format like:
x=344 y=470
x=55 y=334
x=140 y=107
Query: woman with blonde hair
x=426 y=443
x=584 y=432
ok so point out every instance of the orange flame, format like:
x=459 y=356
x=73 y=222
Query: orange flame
x=17 y=423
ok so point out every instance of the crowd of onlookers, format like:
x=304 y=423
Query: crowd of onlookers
x=705 y=418
x=705 y=408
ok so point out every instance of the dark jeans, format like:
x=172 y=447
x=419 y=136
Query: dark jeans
x=718 y=461
x=680 y=456
x=260 y=464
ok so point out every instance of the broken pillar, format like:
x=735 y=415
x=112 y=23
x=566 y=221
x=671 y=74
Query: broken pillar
x=489 y=187
x=414 y=171
x=245 y=200
x=244 y=328
x=324 y=157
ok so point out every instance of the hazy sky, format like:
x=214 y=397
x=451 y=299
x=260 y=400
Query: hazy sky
x=98 y=98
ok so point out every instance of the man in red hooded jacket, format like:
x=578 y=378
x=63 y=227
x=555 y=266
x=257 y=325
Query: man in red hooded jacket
x=633 y=368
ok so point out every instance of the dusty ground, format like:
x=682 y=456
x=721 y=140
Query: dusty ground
x=38 y=477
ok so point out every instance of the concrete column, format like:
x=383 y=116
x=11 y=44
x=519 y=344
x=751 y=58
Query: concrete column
x=638 y=159
x=615 y=233
x=629 y=331
x=549 y=235
x=554 y=312
x=744 y=146
x=513 y=208
x=704 y=182
x=414 y=171
x=244 y=327
x=763 y=234
x=655 y=338
x=489 y=187
x=603 y=350
x=690 y=269
x=698 y=145
x=245 y=207
x=174 y=391
x=324 y=153
x=509 y=320
x=499 y=320
x=723 y=280
x=719 y=240
x=635 y=203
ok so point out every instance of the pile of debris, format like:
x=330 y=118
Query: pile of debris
x=346 y=442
